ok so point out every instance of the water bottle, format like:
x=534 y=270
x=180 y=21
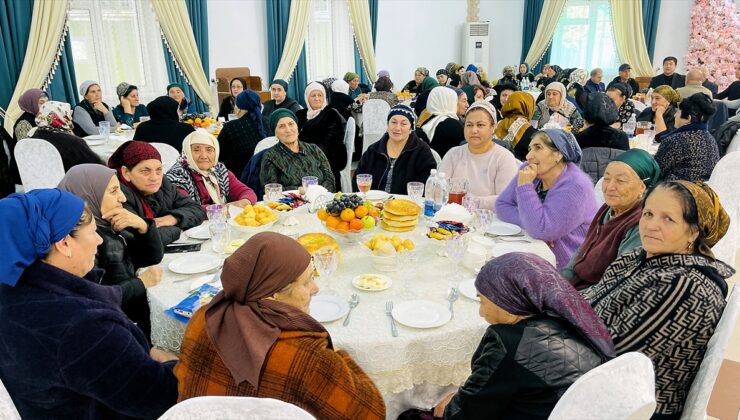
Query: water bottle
x=629 y=126
x=429 y=194
x=441 y=192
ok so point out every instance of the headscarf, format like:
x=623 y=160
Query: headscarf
x=349 y=76
x=29 y=101
x=484 y=105
x=313 y=113
x=713 y=219
x=163 y=108
x=30 y=224
x=524 y=284
x=441 y=104
x=423 y=70
x=471 y=67
x=565 y=107
x=428 y=83
x=442 y=71
x=85 y=86
x=210 y=179
x=404 y=111
x=123 y=89
x=280 y=82
x=565 y=143
x=340 y=86
x=129 y=154
x=185 y=102
x=669 y=94
x=469 y=79
x=55 y=115
x=89 y=181
x=279 y=114
x=177 y=85
x=600 y=110
x=384 y=73
x=579 y=76
x=383 y=84
x=242 y=320
x=509 y=71
x=643 y=164
x=244 y=86
x=516 y=113
x=526 y=66
x=249 y=100
x=454 y=68
x=623 y=89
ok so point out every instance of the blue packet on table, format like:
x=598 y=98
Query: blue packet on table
x=184 y=310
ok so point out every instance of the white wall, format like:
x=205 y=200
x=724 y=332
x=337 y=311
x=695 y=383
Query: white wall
x=673 y=32
x=507 y=24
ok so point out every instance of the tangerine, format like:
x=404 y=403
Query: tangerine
x=322 y=214
x=332 y=222
x=344 y=226
x=355 y=224
x=361 y=212
x=347 y=215
x=374 y=212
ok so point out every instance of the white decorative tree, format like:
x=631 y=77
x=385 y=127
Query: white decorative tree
x=714 y=40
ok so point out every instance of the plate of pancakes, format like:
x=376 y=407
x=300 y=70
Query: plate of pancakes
x=399 y=215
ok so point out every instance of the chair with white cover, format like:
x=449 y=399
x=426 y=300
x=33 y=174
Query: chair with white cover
x=217 y=408
x=374 y=121
x=599 y=193
x=622 y=388
x=345 y=175
x=39 y=164
x=169 y=155
x=437 y=157
x=265 y=143
x=722 y=181
x=697 y=399
x=7 y=408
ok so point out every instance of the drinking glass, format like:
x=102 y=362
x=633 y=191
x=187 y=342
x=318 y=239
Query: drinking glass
x=456 y=247
x=415 y=190
x=483 y=219
x=273 y=192
x=406 y=261
x=307 y=181
x=325 y=260
x=216 y=212
x=104 y=130
x=458 y=189
x=641 y=127
x=471 y=203
x=220 y=235
x=232 y=117
x=364 y=183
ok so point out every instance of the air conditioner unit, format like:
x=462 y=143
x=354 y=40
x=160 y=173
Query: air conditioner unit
x=476 y=44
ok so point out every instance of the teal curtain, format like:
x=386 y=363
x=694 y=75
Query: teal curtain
x=63 y=86
x=278 y=12
x=15 y=24
x=359 y=68
x=650 y=15
x=198 y=13
x=532 y=12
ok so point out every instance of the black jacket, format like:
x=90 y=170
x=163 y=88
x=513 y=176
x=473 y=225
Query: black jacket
x=165 y=125
x=521 y=370
x=270 y=106
x=632 y=83
x=596 y=136
x=732 y=92
x=326 y=130
x=167 y=201
x=711 y=86
x=413 y=164
x=449 y=133
x=238 y=138
x=675 y=81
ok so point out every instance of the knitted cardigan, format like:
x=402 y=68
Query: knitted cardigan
x=562 y=220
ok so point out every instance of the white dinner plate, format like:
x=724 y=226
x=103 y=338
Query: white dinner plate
x=94 y=140
x=296 y=192
x=503 y=229
x=327 y=308
x=386 y=282
x=467 y=289
x=199 y=232
x=376 y=195
x=421 y=314
x=194 y=264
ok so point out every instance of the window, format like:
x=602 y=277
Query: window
x=584 y=37
x=116 y=41
x=330 y=44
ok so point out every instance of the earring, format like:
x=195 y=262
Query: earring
x=690 y=248
x=69 y=254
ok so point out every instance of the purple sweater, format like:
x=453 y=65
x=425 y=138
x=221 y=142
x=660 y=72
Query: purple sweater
x=562 y=220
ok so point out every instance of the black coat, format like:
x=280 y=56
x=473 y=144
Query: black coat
x=632 y=83
x=596 y=136
x=449 y=133
x=238 y=138
x=167 y=201
x=326 y=130
x=164 y=126
x=270 y=106
x=413 y=164
x=675 y=81
x=521 y=370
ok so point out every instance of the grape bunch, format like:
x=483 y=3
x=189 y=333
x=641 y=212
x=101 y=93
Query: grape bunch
x=339 y=203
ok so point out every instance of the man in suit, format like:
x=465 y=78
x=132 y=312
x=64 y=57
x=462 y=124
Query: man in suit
x=669 y=76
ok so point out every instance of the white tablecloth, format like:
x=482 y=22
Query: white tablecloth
x=435 y=358
x=115 y=140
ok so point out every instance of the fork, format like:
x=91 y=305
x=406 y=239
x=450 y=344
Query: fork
x=353 y=302
x=389 y=312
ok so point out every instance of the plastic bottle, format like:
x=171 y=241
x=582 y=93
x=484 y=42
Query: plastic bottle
x=442 y=192
x=630 y=126
x=429 y=189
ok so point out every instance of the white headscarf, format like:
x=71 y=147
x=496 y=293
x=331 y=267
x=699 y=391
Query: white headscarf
x=312 y=113
x=209 y=176
x=564 y=107
x=340 y=86
x=442 y=104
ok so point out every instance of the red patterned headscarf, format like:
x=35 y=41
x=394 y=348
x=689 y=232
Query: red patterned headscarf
x=129 y=155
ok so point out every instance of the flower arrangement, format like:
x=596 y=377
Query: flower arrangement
x=714 y=41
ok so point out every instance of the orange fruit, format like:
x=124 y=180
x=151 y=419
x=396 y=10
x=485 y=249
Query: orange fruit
x=355 y=224
x=198 y=121
x=332 y=222
x=343 y=226
x=361 y=212
x=374 y=212
x=323 y=215
x=347 y=215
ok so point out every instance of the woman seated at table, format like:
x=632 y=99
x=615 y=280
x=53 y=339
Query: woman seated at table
x=414 y=86
x=353 y=81
x=399 y=157
x=551 y=198
x=129 y=242
x=54 y=124
x=599 y=113
x=66 y=349
x=164 y=125
x=665 y=299
x=488 y=167
x=578 y=79
x=462 y=103
x=239 y=137
x=176 y=92
x=384 y=90
x=614 y=230
x=503 y=92
x=29 y=103
x=236 y=86
x=323 y=126
x=524 y=74
x=91 y=111
x=199 y=175
x=427 y=85
x=521 y=296
x=662 y=111
x=149 y=195
x=280 y=99
x=442 y=130
x=129 y=110
x=514 y=130
x=340 y=100
x=256 y=338
x=620 y=94
x=690 y=152
x=557 y=104
x=509 y=76
x=290 y=160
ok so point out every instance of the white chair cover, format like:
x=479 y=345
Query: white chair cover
x=345 y=175
x=219 y=408
x=7 y=408
x=722 y=182
x=734 y=144
x=265 y=143
x=598 y=192
x=169 y=155
x=700 y=391
x=39 y=164
x=437 y=157
x=374 y=121
x=622 y=388
x=639 y=106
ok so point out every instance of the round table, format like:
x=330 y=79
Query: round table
x=115 y=140
x=415 y=368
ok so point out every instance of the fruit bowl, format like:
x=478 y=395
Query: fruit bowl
x=349 y=217
x=350 y=235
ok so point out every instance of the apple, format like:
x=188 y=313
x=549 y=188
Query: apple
x=368 y=222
